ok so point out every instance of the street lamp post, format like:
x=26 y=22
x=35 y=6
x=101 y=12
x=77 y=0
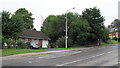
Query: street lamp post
x=117 y=34
x=66 y=36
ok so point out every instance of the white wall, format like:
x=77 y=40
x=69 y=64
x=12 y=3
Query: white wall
x=44 y=43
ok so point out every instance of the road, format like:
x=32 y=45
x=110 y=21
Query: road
x=93 y=56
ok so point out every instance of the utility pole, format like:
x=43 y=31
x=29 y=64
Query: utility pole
x=66 y=36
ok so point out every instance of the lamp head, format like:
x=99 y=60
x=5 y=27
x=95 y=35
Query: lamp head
x=73 y=8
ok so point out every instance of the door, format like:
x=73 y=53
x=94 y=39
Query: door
x=44 y=43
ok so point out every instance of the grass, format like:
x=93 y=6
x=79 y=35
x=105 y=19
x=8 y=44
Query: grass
x=6 y=52
x=112 y=43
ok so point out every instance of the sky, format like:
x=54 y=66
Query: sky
x=43 y=8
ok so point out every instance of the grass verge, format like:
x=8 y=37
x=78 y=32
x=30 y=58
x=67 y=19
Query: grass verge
x=112 y=43
x=6 y=52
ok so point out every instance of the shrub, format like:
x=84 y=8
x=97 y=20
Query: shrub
x=27 y=45
x=114 y=38
x=1 y=42
x=21 y=44
x=53 y=45
x=119 y=39
x=61 y=42
x=9 y=42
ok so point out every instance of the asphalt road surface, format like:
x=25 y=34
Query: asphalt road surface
x=93 y=56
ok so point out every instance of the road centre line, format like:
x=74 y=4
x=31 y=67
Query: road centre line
x=79 y=60
x=29 y=62
x=40 y=57
x=62 y=55
x=110 y=51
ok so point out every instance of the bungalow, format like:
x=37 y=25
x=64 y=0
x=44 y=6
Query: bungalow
x=114 y=33
x=36 y=38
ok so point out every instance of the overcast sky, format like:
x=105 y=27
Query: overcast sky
x=42 y=8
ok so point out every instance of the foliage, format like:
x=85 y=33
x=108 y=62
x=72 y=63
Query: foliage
x=60 y=43
x=0 y=39
x=28 y=45
x=79 y=31
x=95 y=20
x=9 y=42
x=119 y=39
x=12 y=24
x=0 y=42
x=6 y=20
x=82 y=29
x=27 y=18
x=114 y=38
x=54 y=26
x=21 y=44
x=115 y=24
x=16 y=26
x=105 y=35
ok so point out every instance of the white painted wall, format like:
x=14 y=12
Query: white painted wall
x=44 y=43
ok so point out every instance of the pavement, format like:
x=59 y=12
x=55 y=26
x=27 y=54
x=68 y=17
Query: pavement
x=92 y=56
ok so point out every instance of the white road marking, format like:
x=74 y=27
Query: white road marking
x=29 y=62
x=77 y=52
x=99 y=48
x=40 y=57
x=58 y=65
x=79 y=60
x=110 y=52
x=100 y=54
x=66 y=55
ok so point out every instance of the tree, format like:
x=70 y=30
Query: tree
x=82 y=29
x=79 y=31
x=6 y=23
x=54 y=26
x=11 y=25
x=115 y=23
x=61 y=42
x=27 y=18
x=16 y=25
x=95 y=20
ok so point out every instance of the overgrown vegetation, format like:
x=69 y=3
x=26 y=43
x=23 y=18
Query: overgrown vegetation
x=13 y=24
x=116 y=39
x=85 y=29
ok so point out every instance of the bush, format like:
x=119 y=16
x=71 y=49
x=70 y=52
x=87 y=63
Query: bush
x=1 y=42
x=61 y=42
x=9 y=42
x=27 y=45
x=21 y=44
x=119 y=39
x=53 y=45
x=114 y=38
